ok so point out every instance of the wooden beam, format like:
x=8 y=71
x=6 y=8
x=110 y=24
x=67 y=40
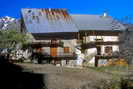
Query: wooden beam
x=50 y=36
x=78 y=36
x=96 y=62
x=105 y=57
x=108 y=43
x=94 y=44
x=46 y=44
x=85 y=37
x=101 y=33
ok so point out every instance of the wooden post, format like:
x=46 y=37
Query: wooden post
x=78 y=36
x=85 y=37
x=96 y=61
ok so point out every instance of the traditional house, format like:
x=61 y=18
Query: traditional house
x=98 y=36
x=127 y=44
x=58 y=35
x=53 y=31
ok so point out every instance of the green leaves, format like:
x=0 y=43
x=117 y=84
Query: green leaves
x=10 y=38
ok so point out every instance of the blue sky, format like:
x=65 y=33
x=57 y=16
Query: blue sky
x=116 y=8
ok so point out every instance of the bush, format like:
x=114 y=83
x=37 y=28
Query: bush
x=114 y=84
x=109 y=84
x=126 y=84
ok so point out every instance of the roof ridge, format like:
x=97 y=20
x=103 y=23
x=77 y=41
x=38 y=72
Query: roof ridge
x=44 y=8
x=87 y=14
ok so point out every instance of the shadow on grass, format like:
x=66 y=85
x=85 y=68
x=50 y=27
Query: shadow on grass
x=13 y=77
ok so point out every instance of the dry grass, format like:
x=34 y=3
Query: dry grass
x=67 y=78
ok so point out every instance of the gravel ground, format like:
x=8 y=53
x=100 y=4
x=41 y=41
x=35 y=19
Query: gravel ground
x=67 y=78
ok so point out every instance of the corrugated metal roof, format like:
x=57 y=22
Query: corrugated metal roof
x=48 y=20
x=96 y=22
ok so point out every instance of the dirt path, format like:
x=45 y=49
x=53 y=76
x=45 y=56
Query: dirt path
x=67 y=78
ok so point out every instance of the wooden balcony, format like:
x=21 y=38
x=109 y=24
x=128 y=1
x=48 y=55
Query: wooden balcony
x=62 y=56
x=94 y=44
x=47 y=44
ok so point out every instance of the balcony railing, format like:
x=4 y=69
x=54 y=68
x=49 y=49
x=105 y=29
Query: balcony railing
x=61 y=55
x=94 y=44
x=47 y=44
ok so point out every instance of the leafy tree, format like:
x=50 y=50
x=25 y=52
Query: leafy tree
x=11 y=38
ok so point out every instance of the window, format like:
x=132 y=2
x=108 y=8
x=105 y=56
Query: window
x=99 y=38
x=66 y=50
x=108 y=50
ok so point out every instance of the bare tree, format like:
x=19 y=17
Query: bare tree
x=126 y=45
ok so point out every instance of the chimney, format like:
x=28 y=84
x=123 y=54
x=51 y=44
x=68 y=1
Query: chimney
x=105 y=14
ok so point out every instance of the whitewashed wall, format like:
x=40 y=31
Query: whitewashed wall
x=46 y=50
x=93 y=51
x=70 y=43
x=115 y=48
x=105 y=38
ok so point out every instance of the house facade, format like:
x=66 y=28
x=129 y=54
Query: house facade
x=98 y=36
x=53 y=33
x=68 y=39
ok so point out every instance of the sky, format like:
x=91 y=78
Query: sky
x=116 y=8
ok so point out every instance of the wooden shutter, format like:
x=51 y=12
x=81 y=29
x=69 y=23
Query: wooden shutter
x=53 y=52
x=66 y=50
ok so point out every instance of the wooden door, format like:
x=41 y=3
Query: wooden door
x=98 y=50
x=53 y=52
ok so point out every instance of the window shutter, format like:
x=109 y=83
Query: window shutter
x=66 y=50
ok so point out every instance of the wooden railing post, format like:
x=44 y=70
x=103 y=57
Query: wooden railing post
x=96 y=61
